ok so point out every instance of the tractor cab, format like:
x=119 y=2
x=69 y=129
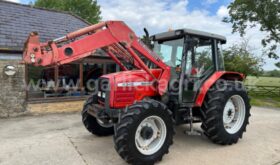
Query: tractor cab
x=193 y=57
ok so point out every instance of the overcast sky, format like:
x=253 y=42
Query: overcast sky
x=161 y=15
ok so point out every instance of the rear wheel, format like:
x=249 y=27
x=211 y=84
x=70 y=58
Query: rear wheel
x=225 y=112
x=92 y=124
x=144 y=133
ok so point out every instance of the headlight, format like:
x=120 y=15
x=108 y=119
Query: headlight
x=103 y=95
x=99 y=94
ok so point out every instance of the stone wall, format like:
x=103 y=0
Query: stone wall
x=12 y=90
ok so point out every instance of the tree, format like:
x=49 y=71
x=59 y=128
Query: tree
x=272 y=73
x=277 y=65
x=238 y=58
x=265 y=14
x=86 y=9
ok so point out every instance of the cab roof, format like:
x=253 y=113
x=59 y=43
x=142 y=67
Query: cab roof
x=179 y=32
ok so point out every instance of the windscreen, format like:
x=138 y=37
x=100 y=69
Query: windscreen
x=170 y=51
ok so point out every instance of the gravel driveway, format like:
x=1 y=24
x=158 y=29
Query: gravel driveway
x=62 y=139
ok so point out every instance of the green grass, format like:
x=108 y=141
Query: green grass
x=266 y=81
x=264 y=101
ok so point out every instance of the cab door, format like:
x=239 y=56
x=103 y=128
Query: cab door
x=199 y=64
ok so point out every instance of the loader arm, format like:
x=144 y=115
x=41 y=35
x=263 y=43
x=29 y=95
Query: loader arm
x=113 y=37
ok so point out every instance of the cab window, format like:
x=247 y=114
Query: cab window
x=199 y=60
x=170 y=51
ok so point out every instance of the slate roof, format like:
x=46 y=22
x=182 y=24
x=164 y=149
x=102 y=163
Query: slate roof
x=18 y=20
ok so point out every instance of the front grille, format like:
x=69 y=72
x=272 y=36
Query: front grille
x=103 y=89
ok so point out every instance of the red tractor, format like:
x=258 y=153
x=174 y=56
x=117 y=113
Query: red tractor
x=178 y=78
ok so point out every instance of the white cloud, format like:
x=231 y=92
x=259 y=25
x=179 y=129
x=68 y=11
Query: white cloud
x=15 y=1
x=160 y=15
x=211 y=1
x=222 y=11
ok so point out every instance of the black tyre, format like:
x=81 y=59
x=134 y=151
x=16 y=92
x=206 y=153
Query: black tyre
x=144 y=133
x=225 y=112
x=91 y=123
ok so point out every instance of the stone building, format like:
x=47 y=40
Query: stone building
x=16 y=22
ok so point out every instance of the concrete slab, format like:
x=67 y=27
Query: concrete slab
x=27 y=141
x=62 y=139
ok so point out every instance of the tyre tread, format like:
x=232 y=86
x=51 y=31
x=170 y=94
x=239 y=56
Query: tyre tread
x=132 y=114
x=211 y=113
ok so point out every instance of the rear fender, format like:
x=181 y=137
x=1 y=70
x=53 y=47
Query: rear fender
x=233 y=76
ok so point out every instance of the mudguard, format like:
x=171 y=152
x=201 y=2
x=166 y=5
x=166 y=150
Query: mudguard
x=225 y=75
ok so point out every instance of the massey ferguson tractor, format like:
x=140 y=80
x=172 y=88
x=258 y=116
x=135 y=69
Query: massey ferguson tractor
x=176 y=77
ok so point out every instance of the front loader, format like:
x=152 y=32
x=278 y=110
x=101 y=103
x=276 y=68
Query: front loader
x=178 y=78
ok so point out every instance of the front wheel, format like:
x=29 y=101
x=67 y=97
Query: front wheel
x=92 y=124
x=225 y=112
x=144 y=133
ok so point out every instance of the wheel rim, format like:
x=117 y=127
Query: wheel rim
x=234 y=114
x=150 y=135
